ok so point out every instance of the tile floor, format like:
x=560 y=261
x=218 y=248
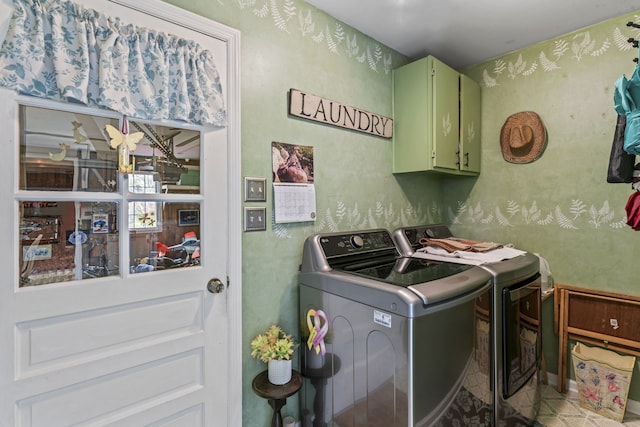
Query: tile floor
x=563 y=410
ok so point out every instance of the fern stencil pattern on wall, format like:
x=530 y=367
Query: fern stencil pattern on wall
x=287 y=17
x=346 y=218
x=577 y=216
x=574 y=47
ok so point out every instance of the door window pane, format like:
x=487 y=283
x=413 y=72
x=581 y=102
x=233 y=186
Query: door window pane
x=67 y=151
x=64 y=151
x=175 y=243
x=64 y=241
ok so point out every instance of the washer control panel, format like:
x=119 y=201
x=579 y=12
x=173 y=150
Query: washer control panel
x=335 y=245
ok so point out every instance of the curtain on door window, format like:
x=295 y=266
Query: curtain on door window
x=60 y=50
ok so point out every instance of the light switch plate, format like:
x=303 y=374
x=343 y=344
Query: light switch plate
x=255 y=189
x=255 y=219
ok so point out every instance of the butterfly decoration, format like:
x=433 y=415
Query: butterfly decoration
x=118 y=138
x=125 y=143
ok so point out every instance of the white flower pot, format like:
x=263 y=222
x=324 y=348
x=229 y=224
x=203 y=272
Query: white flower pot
x=279 y=371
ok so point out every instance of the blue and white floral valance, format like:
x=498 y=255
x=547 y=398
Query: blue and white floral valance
x=60 y=50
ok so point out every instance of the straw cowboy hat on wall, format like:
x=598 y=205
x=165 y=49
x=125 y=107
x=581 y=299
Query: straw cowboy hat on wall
x=523 y=137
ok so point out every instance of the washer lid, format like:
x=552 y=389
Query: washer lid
x=431 y=281
x=405 y=272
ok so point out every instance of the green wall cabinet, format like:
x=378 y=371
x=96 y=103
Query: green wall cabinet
x=469 y=125
x=427 y=114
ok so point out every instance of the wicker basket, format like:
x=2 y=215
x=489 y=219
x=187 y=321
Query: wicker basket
x=603 y=379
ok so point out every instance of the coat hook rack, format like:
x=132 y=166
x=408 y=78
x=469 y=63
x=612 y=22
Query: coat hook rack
x=634 y=42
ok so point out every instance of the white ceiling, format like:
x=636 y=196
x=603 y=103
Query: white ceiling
x=467 y=32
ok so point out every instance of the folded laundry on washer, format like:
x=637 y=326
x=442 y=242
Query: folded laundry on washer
x=468 y=257
x=453 y=244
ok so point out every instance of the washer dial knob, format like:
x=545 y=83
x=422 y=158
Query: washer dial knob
x=356 y=241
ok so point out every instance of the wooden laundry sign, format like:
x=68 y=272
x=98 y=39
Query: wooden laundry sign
x=322 y=110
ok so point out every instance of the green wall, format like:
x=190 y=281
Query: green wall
x=560 y=205
x=290 y=44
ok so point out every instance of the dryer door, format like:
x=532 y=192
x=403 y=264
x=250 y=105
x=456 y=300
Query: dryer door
x=522 y=335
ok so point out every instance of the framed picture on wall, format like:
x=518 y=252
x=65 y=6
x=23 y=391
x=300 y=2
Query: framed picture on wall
x=100 y=223
x=188 y=217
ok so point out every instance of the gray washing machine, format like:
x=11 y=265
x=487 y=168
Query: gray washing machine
x=388 y=340
x=516 y=334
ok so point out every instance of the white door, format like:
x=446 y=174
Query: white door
x=105 y=313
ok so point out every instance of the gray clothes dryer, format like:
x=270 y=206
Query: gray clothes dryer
x=516 y=328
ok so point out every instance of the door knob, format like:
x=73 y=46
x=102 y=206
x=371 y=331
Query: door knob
x=215 y=286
